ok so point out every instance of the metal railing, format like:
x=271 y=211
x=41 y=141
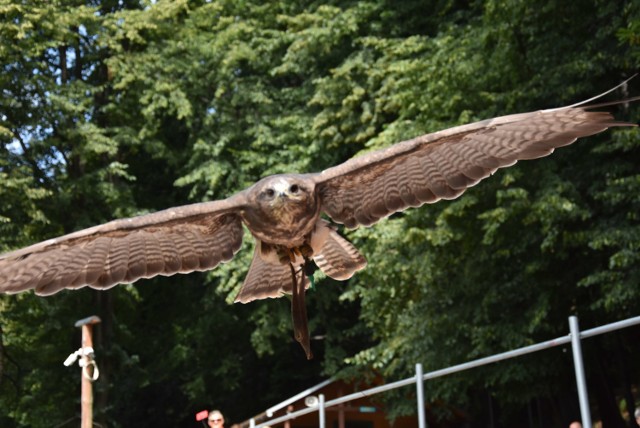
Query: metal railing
x=574 y=336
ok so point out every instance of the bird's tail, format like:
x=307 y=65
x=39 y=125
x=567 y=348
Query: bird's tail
x=268 y=277
x=265 y=279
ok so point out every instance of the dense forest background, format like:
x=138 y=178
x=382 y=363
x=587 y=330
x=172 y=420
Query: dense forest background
x=116 y=108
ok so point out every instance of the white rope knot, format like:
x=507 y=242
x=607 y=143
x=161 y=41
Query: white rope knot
x=86 y=356
x=95 y=373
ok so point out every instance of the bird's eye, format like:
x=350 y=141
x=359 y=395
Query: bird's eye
x=294 y=188
x=270 y=193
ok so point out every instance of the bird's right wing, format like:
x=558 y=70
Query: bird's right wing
x=178 y=240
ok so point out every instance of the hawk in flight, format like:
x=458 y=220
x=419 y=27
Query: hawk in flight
x=283 y=213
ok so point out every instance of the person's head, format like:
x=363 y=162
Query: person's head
x=637 y=415
x=575 y=424
x=216 y=420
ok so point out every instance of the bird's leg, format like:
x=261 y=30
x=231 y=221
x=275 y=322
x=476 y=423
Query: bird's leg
x=299 y=313
x=289 y=255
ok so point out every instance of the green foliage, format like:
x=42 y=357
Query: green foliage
x=116 y=108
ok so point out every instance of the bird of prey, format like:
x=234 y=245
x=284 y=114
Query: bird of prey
x=283 y=213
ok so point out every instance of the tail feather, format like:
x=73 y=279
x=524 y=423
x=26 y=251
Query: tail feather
x=265 y=280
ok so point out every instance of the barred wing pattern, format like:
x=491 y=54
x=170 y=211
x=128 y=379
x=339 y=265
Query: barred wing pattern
x=186 y=239
x=444 y=164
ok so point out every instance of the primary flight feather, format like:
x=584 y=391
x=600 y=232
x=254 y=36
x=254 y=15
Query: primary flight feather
x=283 y=213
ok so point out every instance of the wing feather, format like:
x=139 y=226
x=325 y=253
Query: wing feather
x=183 y=239
x=444 y=164
x=116 y=265
x=188 y=257
x=57 y=275
x=155 y=260
x=30 y=277
x=170 y=253
x=137 y=260
x=99 y=251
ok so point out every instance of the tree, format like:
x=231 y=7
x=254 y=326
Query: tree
x=105 y=103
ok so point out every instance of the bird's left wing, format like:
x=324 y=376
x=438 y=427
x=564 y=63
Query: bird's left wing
x=444 y=164
x=183 y=239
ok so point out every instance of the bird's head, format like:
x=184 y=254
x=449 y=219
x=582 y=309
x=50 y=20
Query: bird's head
x=286 y=197
x=283 y=193
x=282 y=209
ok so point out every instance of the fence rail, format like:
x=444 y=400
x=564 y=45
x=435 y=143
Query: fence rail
x=574 y=336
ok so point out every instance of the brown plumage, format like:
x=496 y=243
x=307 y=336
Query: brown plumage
x=283 y=213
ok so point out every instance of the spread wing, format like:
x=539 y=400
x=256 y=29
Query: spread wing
x=184 y=239
x=444 y=164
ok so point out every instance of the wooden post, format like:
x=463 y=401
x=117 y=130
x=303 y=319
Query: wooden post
x=86 y=394
x=340 y=411
x=287 y=424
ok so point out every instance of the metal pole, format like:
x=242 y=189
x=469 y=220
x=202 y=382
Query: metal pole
x=86 y=391
x=422 y=420
x=321 y=415
x=459 y=368
x=579 y=367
